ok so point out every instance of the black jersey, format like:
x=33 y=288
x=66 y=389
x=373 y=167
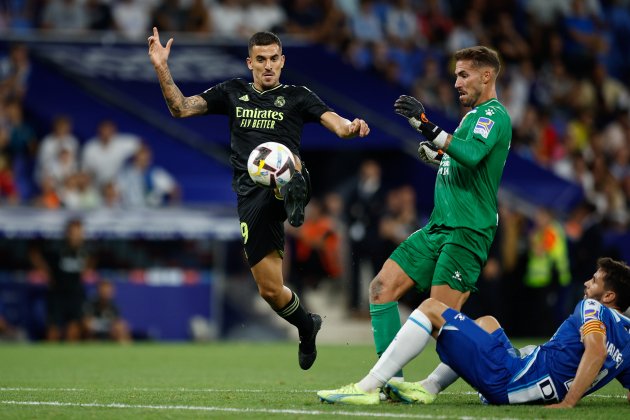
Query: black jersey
x=276 y=114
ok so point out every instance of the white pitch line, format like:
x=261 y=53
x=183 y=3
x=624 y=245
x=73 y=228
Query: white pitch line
x=212 y=390
x=247 y=410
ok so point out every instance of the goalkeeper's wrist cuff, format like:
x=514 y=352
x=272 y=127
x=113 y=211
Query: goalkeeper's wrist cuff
x=440 y=140
x=429 y=130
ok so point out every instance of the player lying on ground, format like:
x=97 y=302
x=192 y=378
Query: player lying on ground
x=590 y=349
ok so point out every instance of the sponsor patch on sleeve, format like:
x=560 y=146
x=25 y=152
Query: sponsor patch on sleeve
x=484 y=126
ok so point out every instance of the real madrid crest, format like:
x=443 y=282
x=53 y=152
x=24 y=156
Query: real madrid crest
x=279 y=101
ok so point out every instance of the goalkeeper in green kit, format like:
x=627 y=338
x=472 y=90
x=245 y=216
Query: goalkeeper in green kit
x=446 y=256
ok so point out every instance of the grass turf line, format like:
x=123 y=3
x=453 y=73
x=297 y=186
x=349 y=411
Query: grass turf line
x=229 y=380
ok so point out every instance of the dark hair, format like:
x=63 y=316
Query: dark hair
x=616 y=279
x=480 y=56
x=263 y=38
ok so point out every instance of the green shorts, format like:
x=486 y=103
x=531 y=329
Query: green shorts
x=437 y=255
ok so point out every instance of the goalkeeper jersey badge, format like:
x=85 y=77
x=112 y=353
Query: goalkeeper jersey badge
x=484 y=126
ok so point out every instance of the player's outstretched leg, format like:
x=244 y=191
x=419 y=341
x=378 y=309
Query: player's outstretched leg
x=295 y=194
x=349 y=394
x=307 y=352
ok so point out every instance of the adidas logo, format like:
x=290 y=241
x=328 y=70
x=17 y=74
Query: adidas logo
x=244 y=98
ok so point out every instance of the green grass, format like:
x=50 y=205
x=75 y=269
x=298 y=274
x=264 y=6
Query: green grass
x=229 y=380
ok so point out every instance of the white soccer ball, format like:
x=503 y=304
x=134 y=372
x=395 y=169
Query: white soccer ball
x=271 y=165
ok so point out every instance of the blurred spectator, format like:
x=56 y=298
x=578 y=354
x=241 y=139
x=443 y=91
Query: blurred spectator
x=21 y=148
x=435 y=22
x=228 y=18
x=553 y=85
x=364 y=198
x=399 y=220
x=111 y=196
x=427 y=84
x=102 y=319
x=583 y=40
x=401 y=25
x=306 y=19
x=143 y=185
x=366 y=24
x=317 y=248
x=99 y=15
x=547 y=12
x=15 y=70
x=22 y=137
x=265 y=15
x=131 y=18
x=516 y=87
x=446 y=101
x=511 y=46
x=548 y=273
x=50 y=150
x=65 y=265
x=617 y=133
x=585 y=235
x=79 y=193
x=610 y=94
x=198 y=18
x=65 y=16
x=63 y=166
x=48 y=197
x=467 y=32
x=8 y=189
x=104 y=155
x=169 y=16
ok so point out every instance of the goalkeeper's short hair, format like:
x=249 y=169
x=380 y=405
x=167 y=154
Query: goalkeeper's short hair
x=480 y=56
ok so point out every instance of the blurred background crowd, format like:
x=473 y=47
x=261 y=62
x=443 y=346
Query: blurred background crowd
x=565 y=82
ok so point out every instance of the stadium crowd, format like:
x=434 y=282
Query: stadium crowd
x=566 y=83
x=56 y=170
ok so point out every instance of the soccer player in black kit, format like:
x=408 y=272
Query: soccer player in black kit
x=265 y=110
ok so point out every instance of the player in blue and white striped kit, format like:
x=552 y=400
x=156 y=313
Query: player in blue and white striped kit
x=590 y=349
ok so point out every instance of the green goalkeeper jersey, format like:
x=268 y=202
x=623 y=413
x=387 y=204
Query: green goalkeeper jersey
x=468 y=178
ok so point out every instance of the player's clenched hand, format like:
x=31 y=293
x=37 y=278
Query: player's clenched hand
x=359 y=127
x=429 y=153
x=412 y=109
x=158 y=53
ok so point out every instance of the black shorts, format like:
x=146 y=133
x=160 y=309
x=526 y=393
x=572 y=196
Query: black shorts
x=262 y=217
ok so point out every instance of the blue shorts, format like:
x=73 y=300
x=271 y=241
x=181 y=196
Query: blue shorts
x=486 y=361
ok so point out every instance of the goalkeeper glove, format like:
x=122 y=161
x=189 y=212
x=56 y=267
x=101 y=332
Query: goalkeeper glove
x=413 y=110
x=429 y=153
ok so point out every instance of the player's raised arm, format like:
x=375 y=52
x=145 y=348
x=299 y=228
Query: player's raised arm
x=343 y=127
x=179 y=105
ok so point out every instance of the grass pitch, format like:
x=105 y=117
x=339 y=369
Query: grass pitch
x=230 y=380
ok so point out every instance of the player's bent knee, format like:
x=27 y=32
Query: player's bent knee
x=432 y=305
x=380 y=292
x=488 y=323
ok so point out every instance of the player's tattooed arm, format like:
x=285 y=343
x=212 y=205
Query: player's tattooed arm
x=178 y=104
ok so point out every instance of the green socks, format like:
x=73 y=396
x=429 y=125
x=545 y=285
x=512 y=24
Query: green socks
x=385 y=325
